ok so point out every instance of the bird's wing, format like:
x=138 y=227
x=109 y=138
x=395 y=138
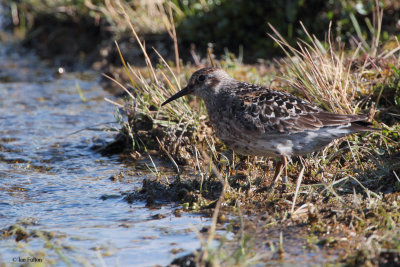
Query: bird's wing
x=270 y=112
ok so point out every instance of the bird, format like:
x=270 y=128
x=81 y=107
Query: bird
x=253 y=120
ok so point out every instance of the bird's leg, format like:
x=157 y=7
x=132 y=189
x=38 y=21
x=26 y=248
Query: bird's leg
x=278 y=169
x=277 y=174
x=281 y=164
x=285 y=177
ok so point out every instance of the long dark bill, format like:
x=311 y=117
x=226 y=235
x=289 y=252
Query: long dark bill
x=184 y=91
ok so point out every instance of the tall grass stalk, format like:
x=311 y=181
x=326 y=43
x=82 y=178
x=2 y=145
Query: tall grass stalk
x=320 y=72
x=326 y=74
x=150 y=16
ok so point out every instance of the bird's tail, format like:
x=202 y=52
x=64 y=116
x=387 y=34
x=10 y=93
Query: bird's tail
x=362 y=126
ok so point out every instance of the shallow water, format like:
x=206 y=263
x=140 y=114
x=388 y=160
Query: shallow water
x=53 y=181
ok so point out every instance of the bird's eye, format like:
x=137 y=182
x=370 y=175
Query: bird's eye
x=201 y=78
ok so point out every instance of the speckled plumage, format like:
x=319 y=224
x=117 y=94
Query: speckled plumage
x=254 y=120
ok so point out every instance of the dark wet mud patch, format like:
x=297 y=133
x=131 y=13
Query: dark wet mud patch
x=185 y=261
x=190 y=193
x=20 y=231
x=120 y=145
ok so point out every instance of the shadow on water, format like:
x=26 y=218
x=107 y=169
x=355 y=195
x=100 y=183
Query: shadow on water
x=52 y=181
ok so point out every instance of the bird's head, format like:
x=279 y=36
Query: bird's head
x=204 y=83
